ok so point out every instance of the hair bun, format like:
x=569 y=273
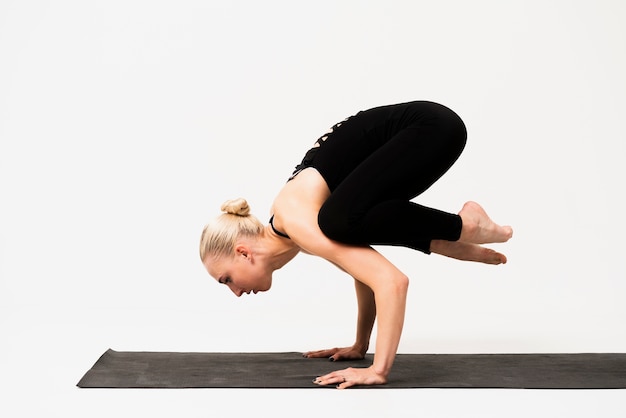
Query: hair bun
x=237 y=207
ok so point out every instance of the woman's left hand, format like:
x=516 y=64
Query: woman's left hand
x=338 y=354
x=351 y=376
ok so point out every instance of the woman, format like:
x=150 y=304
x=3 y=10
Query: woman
x=353 y=190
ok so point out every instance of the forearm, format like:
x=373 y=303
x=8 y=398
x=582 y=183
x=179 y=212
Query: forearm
x=380 y=281
x=391 y=303
x=366 y=315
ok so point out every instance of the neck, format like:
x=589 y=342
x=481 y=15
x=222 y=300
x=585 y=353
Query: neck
x=278 y=250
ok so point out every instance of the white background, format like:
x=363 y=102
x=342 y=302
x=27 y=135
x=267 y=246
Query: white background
x=125 y=124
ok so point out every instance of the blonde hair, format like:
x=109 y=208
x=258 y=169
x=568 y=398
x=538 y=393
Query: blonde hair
x=219 y=237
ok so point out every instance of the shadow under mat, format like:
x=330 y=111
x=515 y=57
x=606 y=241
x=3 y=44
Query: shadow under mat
x=123 y=369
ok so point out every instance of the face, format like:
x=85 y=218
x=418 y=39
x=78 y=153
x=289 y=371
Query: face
x=241 y=273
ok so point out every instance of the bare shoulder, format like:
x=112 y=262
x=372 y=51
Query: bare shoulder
x=299 y=201
x=296 y=210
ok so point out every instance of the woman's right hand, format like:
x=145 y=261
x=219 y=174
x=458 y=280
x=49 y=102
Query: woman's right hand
x=338 y=354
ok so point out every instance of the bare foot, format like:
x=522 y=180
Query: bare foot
x=467 y=252
x=478 y=228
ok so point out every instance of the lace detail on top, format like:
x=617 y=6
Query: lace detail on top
x=310 y=155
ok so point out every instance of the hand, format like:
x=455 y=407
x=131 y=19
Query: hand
x=338 y=354
x=351 y=377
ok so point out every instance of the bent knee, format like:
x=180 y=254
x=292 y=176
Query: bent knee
x=334 y=224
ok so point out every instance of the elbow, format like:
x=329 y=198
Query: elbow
x=401 y=284
x=394 y=288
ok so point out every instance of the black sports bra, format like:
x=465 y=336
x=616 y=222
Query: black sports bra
x=282 y=234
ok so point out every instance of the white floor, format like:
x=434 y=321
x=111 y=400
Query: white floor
x=310 y=403
x=41 y=365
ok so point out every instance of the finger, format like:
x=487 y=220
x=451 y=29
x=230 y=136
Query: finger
x=345 y=355
x=334 y=378
x=323 y=380
x=343 y=383
x=319 y=353
x=340 y=357
x=313 y=354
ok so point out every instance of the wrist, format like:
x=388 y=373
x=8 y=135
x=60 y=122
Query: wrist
x=360 y=347
x=380 y=372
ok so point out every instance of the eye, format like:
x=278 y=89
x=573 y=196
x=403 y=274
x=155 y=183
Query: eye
x=225 y=280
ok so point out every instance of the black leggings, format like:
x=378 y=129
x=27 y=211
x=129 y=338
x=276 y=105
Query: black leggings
x=372 y=206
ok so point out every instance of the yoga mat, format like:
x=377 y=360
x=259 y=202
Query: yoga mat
x=290 y=370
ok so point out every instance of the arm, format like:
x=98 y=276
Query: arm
x=365 y=322
x=366 y=316
x=387 y=285
x=299 y=201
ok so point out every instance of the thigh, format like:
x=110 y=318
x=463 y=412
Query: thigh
x=404 y=167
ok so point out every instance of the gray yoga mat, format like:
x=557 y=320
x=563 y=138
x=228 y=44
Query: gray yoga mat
x=116 y=369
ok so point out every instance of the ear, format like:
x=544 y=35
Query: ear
x=242 y=250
